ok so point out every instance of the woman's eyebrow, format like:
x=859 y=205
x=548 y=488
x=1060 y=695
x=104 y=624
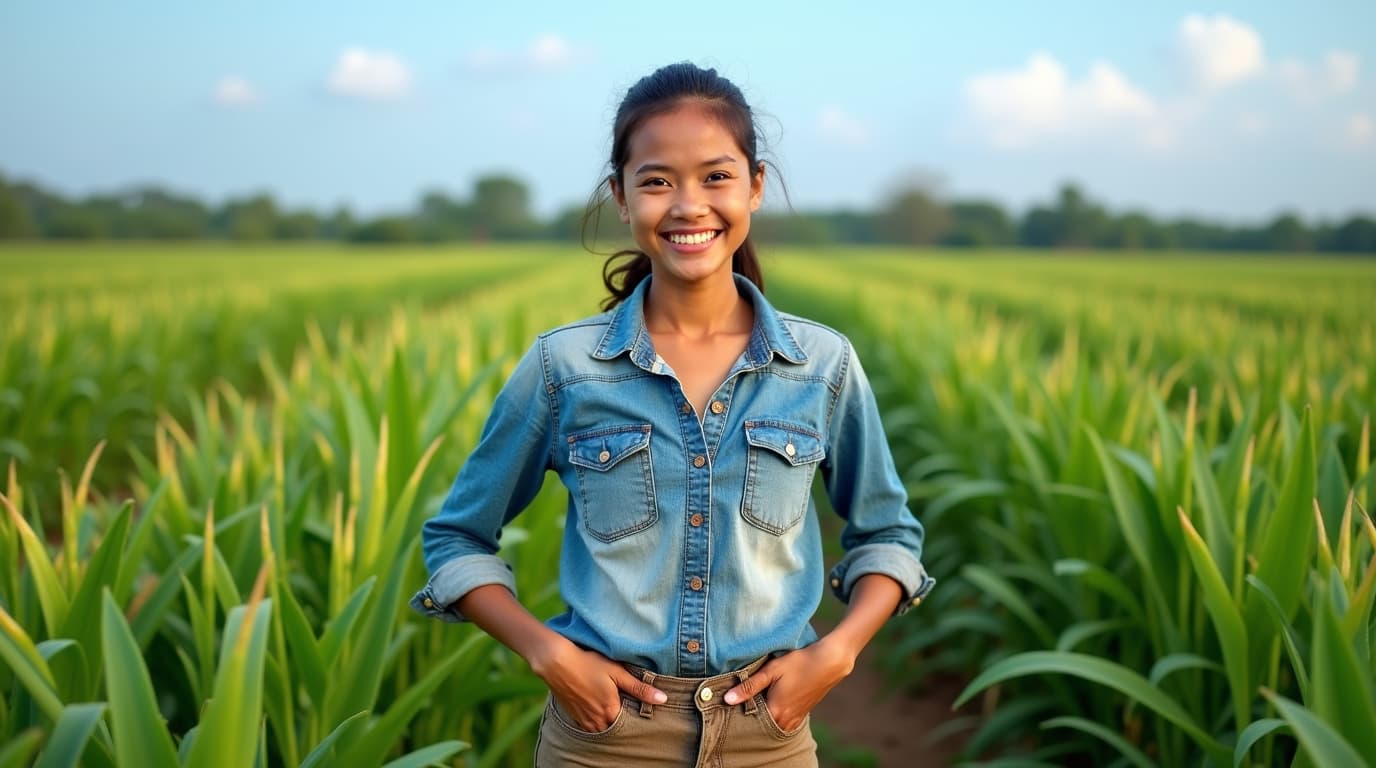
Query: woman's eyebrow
x=660 y=167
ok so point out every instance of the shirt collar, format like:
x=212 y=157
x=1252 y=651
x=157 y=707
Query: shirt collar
x=627 y=333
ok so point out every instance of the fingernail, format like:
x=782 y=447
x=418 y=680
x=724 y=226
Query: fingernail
x=661 y=697
x=732 y=697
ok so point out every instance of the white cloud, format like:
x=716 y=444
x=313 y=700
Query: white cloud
x=372 y=75
x=1252 y=125
x=551 y=52
x=546 y=53
x=1336 y=74
x=1341 y=69
x=1219 y=50
x=1360 y=130
x=1040 y=102
x=235 y=91
x=835 y=124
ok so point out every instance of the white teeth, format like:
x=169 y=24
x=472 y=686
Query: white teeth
x=695 y=239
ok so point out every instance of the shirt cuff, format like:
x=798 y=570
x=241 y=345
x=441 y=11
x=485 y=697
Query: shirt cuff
x=457 y=578
x=893 y=561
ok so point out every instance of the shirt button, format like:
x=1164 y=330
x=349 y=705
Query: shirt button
x=603 y=456
x=836 y=583
x=686 y=408
x=693 y=648
x=698 y=461
x=696 y=584
x=695 y=520
x=789 y=449
x=717 y=407
x=917 y=601
x=706 y=694
x=429 y=603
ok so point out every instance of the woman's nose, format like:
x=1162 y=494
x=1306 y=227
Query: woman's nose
x=689 y=203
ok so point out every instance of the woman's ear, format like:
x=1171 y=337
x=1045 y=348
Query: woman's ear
x=757 y=187
x=619 y=195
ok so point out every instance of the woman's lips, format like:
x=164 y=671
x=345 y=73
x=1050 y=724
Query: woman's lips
x=691 y=242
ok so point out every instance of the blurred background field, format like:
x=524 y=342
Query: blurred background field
x=1144 y=483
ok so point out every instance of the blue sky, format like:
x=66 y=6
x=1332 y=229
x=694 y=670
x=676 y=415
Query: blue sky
x=1235 y=111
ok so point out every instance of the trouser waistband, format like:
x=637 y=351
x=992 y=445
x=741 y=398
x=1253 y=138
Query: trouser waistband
x=701 y=693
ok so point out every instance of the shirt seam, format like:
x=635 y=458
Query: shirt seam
x=550 y=403
x=836 y=390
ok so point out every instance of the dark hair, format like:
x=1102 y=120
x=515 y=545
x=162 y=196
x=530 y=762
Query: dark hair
x=655 y=94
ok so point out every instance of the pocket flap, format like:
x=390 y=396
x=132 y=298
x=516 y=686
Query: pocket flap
x=602 y=449
x=793 y=443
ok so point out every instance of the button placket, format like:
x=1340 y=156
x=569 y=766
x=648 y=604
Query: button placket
x=692 y=617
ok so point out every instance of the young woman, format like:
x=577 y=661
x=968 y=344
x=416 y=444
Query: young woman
x=687 y=423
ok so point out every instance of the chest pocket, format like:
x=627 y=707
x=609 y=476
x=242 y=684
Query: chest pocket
x=782 y=460
x=616 y=484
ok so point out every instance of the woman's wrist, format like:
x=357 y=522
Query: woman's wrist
x=543 y=651
x=871 y=603
x=839 y=651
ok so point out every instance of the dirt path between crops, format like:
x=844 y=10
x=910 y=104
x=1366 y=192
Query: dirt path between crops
x=866 y=713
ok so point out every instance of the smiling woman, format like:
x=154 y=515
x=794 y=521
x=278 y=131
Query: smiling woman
x=690 y=197
x=689 y=141
x=687 y=422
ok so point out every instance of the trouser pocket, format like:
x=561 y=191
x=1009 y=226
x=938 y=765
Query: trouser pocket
x=771 y=726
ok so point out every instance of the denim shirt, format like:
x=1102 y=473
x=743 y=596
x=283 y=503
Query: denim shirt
x=691 y=546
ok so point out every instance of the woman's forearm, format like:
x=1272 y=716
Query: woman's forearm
x=872 y=602
x=497 y=612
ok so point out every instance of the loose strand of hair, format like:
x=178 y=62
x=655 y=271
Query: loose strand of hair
x=621 y=279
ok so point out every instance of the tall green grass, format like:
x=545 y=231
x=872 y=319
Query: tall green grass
x=253 y=594
x=1147 y=498
x=1145 y=486
x=99 y=340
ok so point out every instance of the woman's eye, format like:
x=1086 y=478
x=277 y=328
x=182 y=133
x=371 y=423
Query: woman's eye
x=718 y=176
x=654 y=182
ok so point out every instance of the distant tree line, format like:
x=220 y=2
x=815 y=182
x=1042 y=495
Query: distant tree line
x=498 y=209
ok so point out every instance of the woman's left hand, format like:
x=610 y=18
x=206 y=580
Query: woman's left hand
x=796 y=681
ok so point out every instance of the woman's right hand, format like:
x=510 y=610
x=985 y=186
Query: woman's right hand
x=588 y=685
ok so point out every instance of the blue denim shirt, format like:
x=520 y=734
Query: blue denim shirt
x=691 y=546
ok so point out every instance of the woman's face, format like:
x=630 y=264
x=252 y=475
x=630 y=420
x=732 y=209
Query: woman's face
x=688 y=191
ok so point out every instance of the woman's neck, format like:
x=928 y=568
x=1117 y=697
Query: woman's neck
x=697 y=310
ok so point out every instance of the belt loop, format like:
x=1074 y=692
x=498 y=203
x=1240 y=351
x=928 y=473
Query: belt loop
x=647 y=709
x=749 y=703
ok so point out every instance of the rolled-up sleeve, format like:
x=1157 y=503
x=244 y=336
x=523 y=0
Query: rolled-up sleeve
x=880 y=535
x=500 y=478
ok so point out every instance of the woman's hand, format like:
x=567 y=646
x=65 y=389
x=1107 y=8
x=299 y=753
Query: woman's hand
x=588 y=685
x=796 y=681
x=585 y=683
x=799 y=680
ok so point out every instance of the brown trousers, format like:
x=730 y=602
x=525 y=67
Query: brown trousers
x=694 y=728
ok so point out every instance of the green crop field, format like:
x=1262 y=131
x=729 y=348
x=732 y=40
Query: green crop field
x=1146 y=482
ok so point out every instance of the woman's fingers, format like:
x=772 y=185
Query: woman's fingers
x=585 y=686
x=762 y=679
x=637 y=688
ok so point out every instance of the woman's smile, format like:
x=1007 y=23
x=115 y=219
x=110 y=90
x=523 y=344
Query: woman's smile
x=692 y=241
